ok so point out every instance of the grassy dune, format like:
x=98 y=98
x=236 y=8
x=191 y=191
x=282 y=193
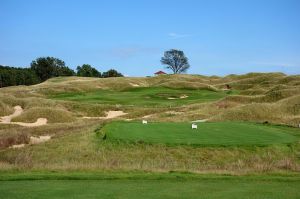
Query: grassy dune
x=54 y=115
x=75 y=144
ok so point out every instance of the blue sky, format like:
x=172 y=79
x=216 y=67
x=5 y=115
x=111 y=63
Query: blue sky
x=218 y=36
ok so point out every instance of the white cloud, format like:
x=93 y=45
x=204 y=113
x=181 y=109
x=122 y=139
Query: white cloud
x=173 y=35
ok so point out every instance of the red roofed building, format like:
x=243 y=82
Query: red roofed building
x=160 y=73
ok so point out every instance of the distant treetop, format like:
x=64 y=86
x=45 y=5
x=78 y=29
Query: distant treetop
x=87 y=70
x=176 y=61
x=112 y=73
x=47 y=67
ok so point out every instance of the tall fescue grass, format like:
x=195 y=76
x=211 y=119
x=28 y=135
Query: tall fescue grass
x=53 y=115
x=11 y=134
x=253 y=91
x=5 y=109
x=13 y=138
x=258 y=113
x=85 y=151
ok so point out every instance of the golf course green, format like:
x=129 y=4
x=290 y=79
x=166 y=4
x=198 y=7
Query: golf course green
x=207 y=133
x=151 y=96
x=136 y=186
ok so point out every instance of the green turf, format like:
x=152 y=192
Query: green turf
x=207 y=134
x=164 y=186
x=154 y=96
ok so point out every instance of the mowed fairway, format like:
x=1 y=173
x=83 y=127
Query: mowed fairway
x=207 y=134
x=208 y=188
x=154 y=96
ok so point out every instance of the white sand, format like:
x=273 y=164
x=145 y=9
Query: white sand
x=148 y=116
x=134 y=85
x=17 y=146
x=114 y=114
x=181 y=97
x=40 y=139
x=39 y=122
x=204 y=120
x=174 y=112
x=33 y=140
x=18 y=112
x=7 y=119
x=109 y=115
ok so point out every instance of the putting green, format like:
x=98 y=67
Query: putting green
x=152 y=96
x=207 y=134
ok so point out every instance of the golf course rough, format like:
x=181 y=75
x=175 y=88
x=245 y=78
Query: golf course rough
x=207 y=134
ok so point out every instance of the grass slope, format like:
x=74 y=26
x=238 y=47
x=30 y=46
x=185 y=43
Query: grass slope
x=148 y=186
x=207 y=134
x=152 y=96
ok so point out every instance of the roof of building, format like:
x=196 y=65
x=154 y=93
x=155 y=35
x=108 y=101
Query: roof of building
x=160 y=72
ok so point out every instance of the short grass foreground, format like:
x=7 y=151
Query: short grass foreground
x=153 y=96
x=150 y=186
x=207 y=134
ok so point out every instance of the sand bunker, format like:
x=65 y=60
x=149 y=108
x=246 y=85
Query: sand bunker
x=109 y=115
x=134 y=85
x=39 y=122
x=17 y=146
x=181 y=97
x=40 y=139
x=148 y=116
x=33 y=140
x=174 y=112
x=204 y=120
x=113 y=114
x=7 y=119
x=18 y=112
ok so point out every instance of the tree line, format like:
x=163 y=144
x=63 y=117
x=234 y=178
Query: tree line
x=44 y=68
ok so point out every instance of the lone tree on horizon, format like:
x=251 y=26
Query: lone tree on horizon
x=175 y=61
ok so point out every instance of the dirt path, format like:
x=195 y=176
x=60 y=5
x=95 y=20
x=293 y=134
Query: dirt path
x=109 y=115
x=18 y=112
